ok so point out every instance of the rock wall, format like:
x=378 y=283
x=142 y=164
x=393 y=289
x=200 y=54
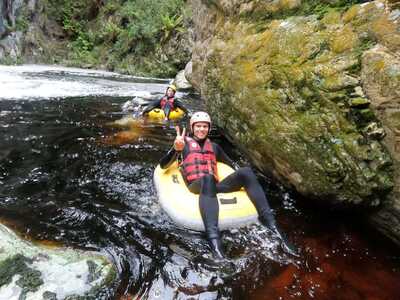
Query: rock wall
x=27 y=35
x=10 y=35
x=307 y=90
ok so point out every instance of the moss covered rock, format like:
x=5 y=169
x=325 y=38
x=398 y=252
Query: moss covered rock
x=286 y=91
x=28 y=271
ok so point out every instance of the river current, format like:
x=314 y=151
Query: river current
x=73 y=173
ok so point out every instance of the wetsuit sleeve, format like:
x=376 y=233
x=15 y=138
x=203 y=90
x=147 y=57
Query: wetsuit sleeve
x=152 y=105
x=168 y=158
x=223 y=157
x=179 y=104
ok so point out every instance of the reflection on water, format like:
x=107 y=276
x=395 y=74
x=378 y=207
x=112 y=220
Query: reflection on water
x=68 y=176
x=134 y=128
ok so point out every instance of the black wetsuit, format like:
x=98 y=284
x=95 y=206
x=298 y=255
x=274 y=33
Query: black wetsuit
x=167 y=109
x=207 y=187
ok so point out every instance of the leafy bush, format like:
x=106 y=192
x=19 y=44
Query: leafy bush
x=121 y=28
x=148 y=20
x=170 y=24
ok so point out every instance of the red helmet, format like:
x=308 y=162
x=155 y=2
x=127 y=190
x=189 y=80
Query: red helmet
x=200 y=116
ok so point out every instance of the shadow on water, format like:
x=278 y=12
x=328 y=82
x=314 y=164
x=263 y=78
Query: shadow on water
x=67 y=176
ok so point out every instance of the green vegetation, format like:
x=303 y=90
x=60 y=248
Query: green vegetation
x=135 y=36
x=9 y=61
x=22 y=22
x=170 y=24
x=320 y=9
x=284 y=9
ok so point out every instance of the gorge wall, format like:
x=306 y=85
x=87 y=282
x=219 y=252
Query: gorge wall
x=310 y=91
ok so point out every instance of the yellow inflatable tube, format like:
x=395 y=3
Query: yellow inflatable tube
x=235 y=209
x=158 y=114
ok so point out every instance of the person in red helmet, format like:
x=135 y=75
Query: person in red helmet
x=198 y=165
x=167 y=103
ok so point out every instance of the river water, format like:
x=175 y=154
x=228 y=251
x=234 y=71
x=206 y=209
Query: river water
x=70 y=176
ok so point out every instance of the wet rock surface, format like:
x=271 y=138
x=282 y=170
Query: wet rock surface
x=288 y=82
x=29 y=271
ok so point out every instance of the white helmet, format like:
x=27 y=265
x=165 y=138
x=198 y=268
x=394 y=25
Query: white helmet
x=200 y=116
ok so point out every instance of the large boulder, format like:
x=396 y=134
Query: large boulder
x=28 y=271
x=10 y=46
x=285 y=81
x=181 y=82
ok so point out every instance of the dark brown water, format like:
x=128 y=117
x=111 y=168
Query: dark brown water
x=68 y=177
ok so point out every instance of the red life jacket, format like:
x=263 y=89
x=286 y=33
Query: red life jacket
x=166 y=100
x=199 y=162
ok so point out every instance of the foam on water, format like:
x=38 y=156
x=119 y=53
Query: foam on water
x=48 y=82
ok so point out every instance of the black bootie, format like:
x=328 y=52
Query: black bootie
x=269 y=222
x=216 y=248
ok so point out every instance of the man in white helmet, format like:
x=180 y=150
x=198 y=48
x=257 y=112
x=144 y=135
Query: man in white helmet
x=198 y=166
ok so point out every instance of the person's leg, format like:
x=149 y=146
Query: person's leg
x=209 y=210
x=167 y=110
x=195 y=186
x=245 y=177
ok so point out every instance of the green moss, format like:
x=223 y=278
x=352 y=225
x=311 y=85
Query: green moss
x=30 y=279
x=10 y=267
x=283 y=10
x=49 y=296
x=367 y=115
x=295 y=126
x=359 y=102
x=365 y=44
x=351 y=14
x=332 y=17
x=386 y=184
x=344 y=40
